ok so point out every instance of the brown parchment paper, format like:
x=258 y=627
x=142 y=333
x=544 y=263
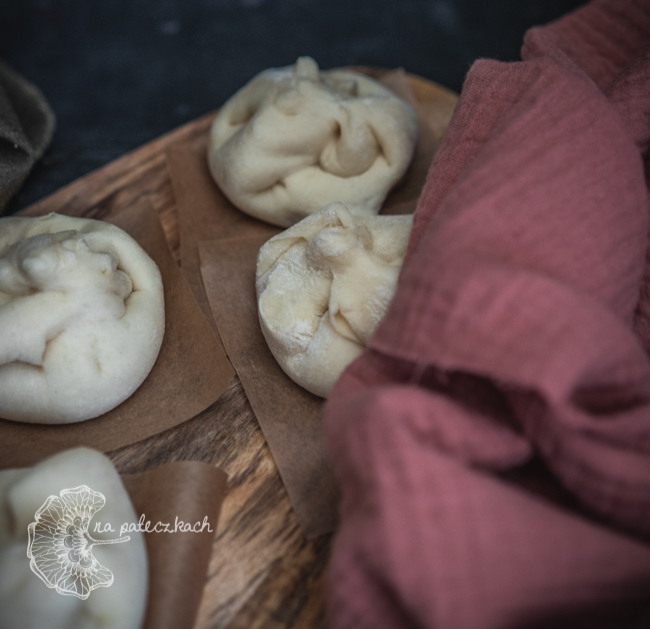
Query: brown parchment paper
x=191 y=371
x=197 y=218
x=226 y=242
x=178 y=562
x=290 y=416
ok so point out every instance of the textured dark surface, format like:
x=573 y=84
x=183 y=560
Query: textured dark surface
x=119 y=73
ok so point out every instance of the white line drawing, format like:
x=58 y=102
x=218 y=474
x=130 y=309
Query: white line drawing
x=60 y=547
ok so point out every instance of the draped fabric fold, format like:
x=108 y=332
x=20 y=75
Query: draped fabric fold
x=519 y=333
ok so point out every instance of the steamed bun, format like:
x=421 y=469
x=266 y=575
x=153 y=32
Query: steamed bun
x=323 y=286
x=26 y=602
x=81 y=318
x=296 y=138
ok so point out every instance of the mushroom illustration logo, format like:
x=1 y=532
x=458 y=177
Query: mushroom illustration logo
x=60 y=547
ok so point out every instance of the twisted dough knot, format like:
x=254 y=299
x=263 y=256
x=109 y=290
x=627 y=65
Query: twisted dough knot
x=323 y=286
x=295 y=139
x=61 y=261
x=81 y=318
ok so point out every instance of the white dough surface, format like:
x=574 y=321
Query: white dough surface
x=82 y=318
x=297 y=138
x=26 y=602
x=323 y=286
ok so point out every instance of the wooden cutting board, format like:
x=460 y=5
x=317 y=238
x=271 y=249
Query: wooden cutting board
x=263 y=572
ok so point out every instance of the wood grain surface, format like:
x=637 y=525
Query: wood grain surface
x=263 y=572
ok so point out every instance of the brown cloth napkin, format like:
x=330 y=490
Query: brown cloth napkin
x=190 y=492
x=517 y=344
x=26 y=127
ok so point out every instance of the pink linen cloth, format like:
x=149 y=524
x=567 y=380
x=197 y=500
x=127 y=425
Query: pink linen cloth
x=493 y=442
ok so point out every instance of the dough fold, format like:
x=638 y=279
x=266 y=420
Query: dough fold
x=61 y=546
x=81 y=318
x=323 y=286
x=294 y=139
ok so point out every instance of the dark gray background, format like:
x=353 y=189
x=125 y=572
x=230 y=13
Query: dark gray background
x=119 y=73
